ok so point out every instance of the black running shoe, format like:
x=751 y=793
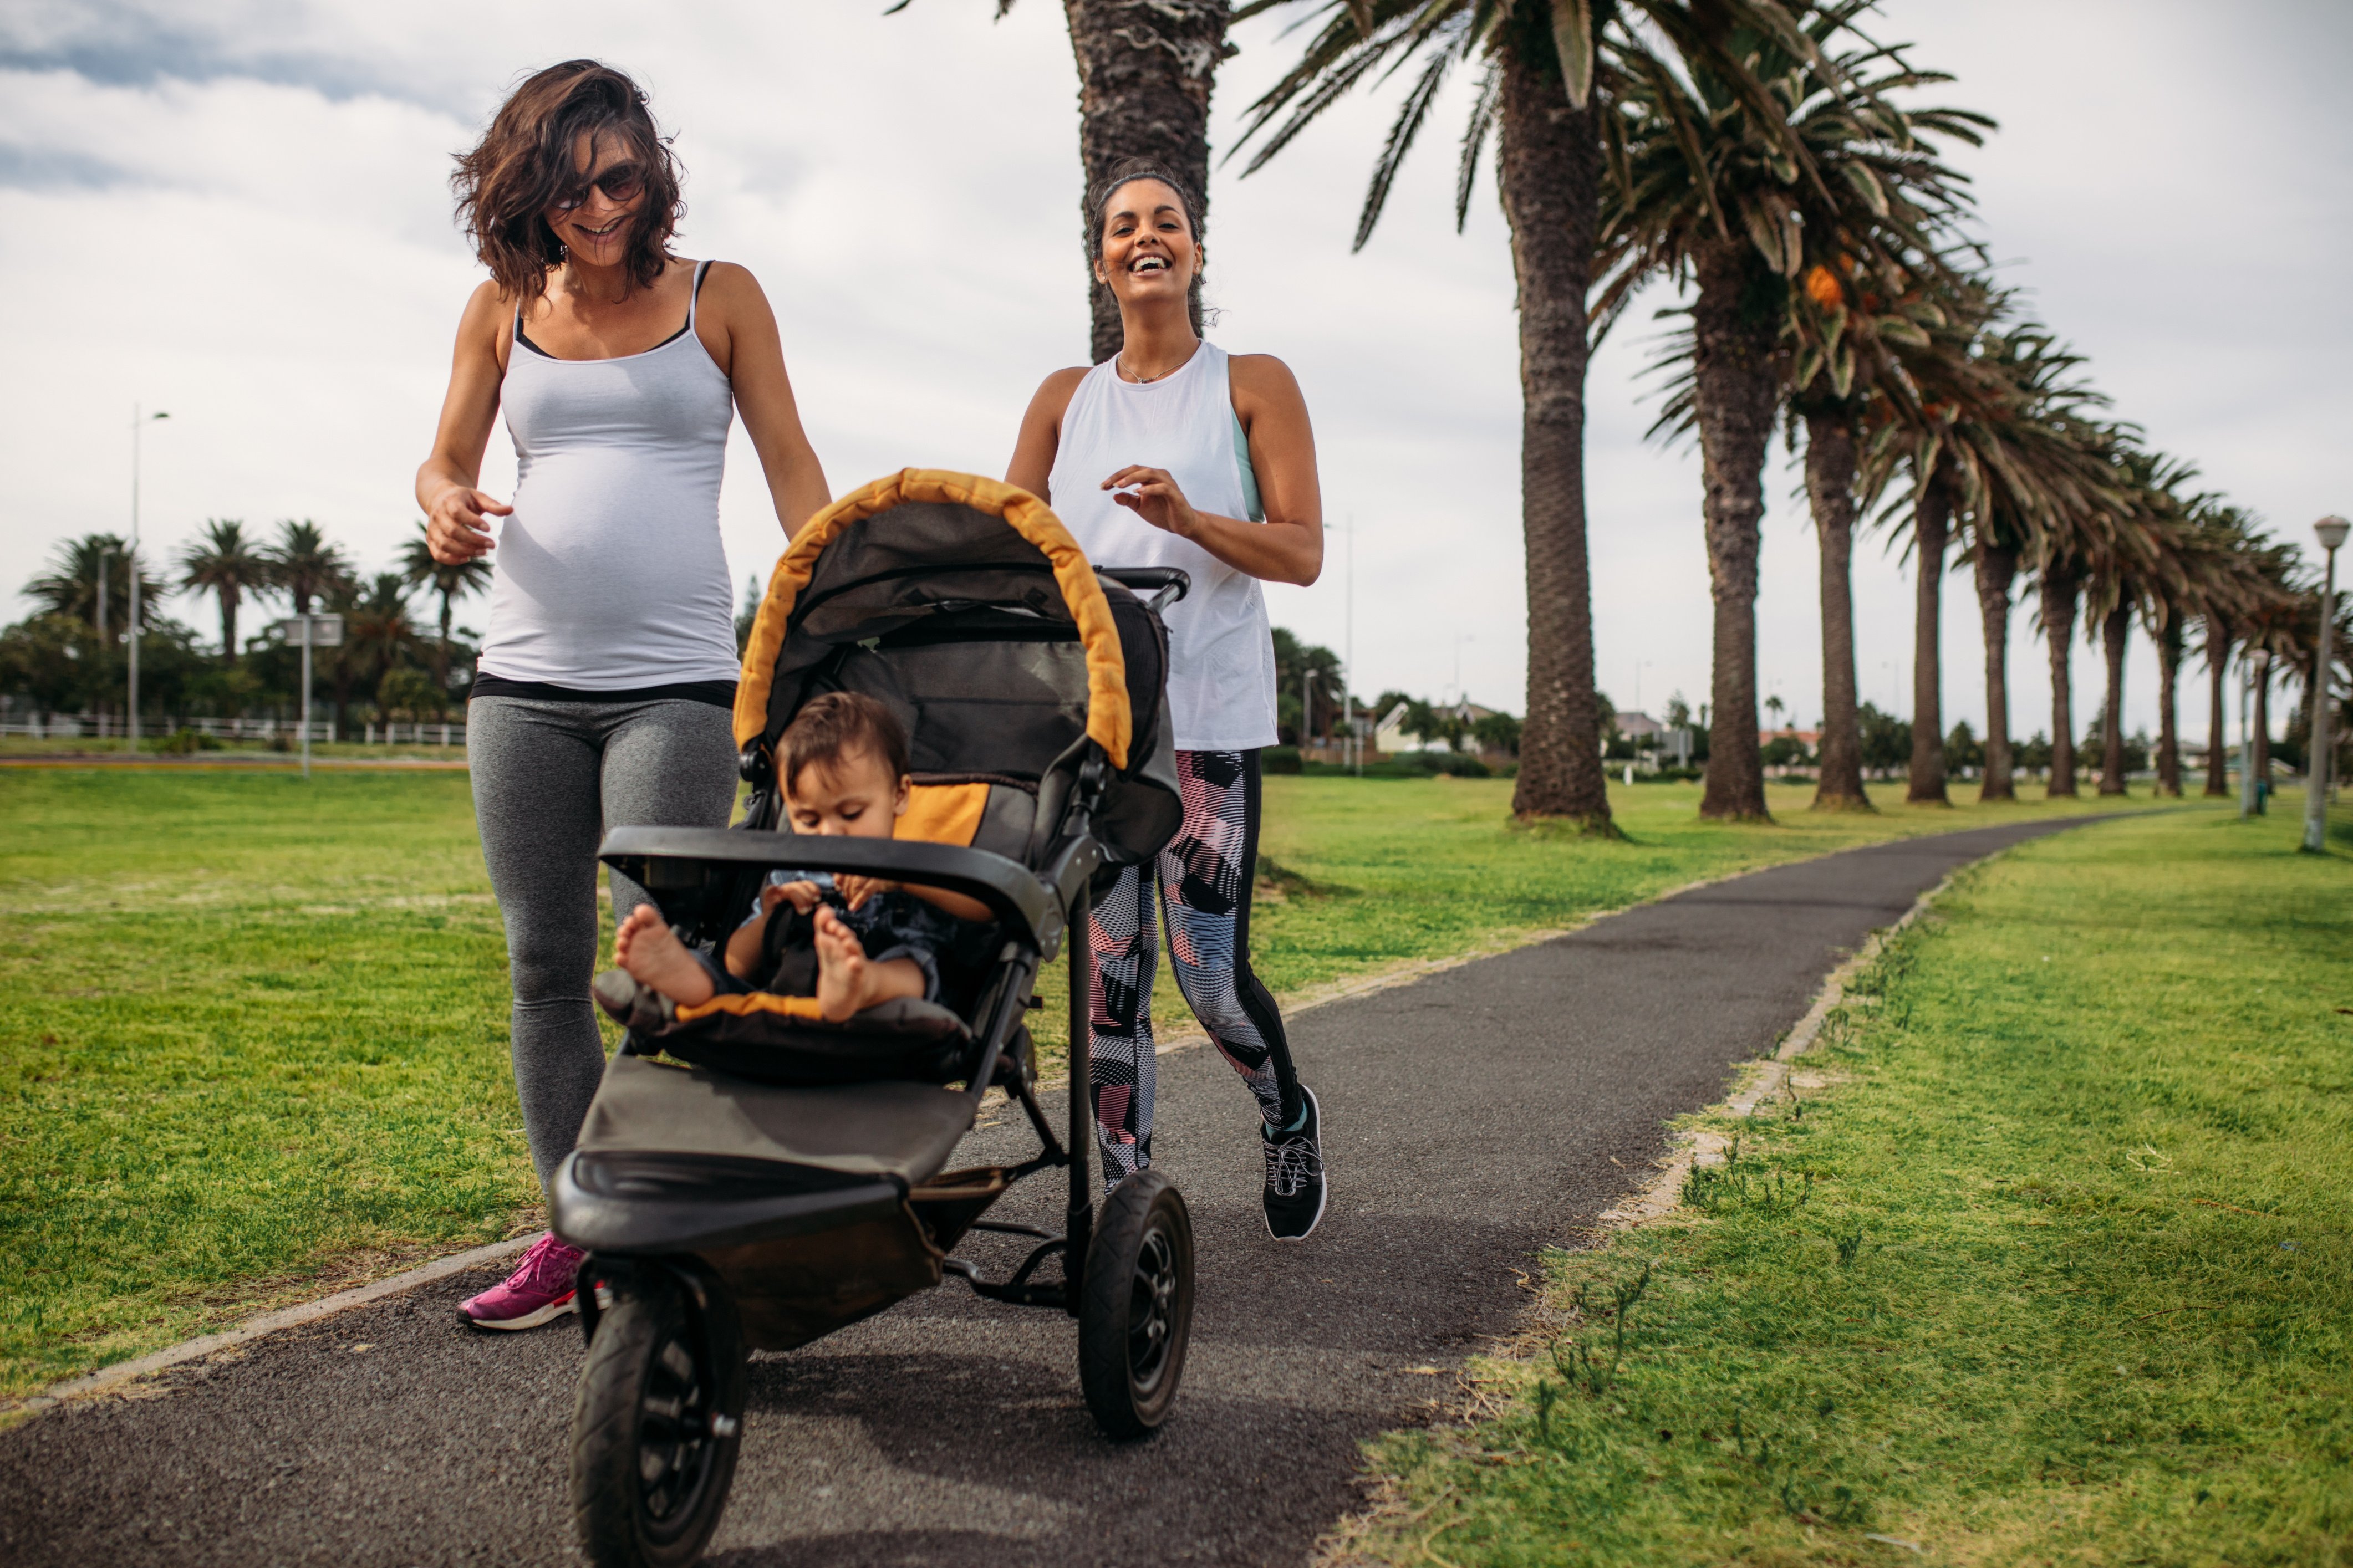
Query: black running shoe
x=1294 y=1175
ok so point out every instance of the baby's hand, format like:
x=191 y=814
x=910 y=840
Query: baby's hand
x=802 y=896
x=856 y=890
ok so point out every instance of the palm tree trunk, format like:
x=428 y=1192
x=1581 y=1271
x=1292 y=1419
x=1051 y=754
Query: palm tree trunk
x=1931 y=528
x=1551 y=179
x=1830 y=490
x=1145 y=76
x=229 y=626
x=1736 y=387
x=2115 y=630
x=2059 y=587
x=2218 y=698
x=1996 y=566
x=2263 y=748
x=2169 y=692
x=442 y=649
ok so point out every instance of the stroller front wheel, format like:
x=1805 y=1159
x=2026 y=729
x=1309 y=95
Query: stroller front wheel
x=1135 y=1313
x=655 y=1430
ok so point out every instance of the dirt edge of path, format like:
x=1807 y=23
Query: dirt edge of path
x=1655 y=1199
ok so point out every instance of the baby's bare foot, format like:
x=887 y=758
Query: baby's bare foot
x=651 y=951
x=840 y=969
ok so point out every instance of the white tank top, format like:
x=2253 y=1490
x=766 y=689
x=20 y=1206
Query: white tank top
x=1221 y=654
x=610 y=574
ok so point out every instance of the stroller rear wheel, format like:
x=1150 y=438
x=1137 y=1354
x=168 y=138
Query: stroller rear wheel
x=654 y=1429
x=1135 y=1312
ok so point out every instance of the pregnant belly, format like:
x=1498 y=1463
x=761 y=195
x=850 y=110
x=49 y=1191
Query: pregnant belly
x=604 y=570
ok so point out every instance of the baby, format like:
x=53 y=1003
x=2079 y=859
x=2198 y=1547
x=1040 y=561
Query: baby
x=845 y=775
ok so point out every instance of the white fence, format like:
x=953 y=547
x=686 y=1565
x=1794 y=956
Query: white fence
x=418 y=734
x=105 y=726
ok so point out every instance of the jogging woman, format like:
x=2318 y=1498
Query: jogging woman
x=1171 y=452
x=609 y=671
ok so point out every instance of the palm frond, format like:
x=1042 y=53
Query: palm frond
x=1474 y=141
x=1406 y=126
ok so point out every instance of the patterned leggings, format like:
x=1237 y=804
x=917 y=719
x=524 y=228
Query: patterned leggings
x=1203 y=885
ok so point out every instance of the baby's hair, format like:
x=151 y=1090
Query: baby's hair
x=839 y=724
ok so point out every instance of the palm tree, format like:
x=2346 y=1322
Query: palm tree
x=2006 y=447
x=378 y=635
x=1145 y=72
x=304 y=566
x=2060 y=586
x=2272 y=615
x=2214 y=649
x=85 y=573
x=1915 y=435
x=2132 y=564
x=227 y=564
x=1540 y=100
x=2229 y=535
x=1704 y=189
x=417 y=567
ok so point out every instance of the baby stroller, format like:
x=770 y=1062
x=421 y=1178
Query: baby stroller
x=787 y=1181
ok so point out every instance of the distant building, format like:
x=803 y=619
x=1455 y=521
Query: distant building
x=1640 y=729
x=1389 y=735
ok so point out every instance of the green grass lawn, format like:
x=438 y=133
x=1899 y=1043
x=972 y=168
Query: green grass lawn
x=245 y=751
x=2047 y=1260
x=253 y=1031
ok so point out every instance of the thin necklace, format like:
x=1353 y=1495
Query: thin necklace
x=1143 y=380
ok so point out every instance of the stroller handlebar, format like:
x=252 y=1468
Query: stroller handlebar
x=1172 y=583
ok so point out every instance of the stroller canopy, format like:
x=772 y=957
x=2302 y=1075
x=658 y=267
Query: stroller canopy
x=964 y=606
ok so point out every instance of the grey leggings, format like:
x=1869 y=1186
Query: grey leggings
x=549 y=778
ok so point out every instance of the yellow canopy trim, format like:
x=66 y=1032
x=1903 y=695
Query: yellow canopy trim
x=1109 y=723
x=943 y=814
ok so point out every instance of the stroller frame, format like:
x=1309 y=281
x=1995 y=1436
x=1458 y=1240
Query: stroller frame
x=696 y=1258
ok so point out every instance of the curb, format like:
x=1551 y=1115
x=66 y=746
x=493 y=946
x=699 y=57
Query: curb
x=108 y=1378
x=1662 y=1195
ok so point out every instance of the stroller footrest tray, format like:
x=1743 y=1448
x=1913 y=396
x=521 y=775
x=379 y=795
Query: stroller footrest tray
x=637 y=1203
x=891 y=1129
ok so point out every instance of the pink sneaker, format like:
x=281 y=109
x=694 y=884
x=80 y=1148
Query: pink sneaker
x=538 y=1292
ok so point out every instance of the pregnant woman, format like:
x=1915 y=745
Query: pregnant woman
x=1171 y=452
x=609 y=671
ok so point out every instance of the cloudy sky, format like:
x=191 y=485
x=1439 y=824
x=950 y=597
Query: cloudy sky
x=238 y=212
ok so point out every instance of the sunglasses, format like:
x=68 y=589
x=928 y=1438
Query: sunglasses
x=621 y=183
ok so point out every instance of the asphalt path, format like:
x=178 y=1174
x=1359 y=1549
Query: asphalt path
x=1471 y=1118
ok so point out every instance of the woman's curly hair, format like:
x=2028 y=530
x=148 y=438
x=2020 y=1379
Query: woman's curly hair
x=524 y=166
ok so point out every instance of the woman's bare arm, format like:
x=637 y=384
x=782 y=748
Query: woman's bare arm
x=455 y=511
x=1288 y=547
x=736 y=325
x=1042 y=433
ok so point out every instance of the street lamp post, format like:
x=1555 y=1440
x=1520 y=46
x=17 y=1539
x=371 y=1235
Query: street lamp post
x=314 y=631
x=138 y=423
x=2316 y=770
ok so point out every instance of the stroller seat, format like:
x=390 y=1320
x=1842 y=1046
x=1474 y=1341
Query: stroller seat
x=782 y=1040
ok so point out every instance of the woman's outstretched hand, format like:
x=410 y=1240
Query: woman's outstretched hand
x=1153 y=495
x=456 y=531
